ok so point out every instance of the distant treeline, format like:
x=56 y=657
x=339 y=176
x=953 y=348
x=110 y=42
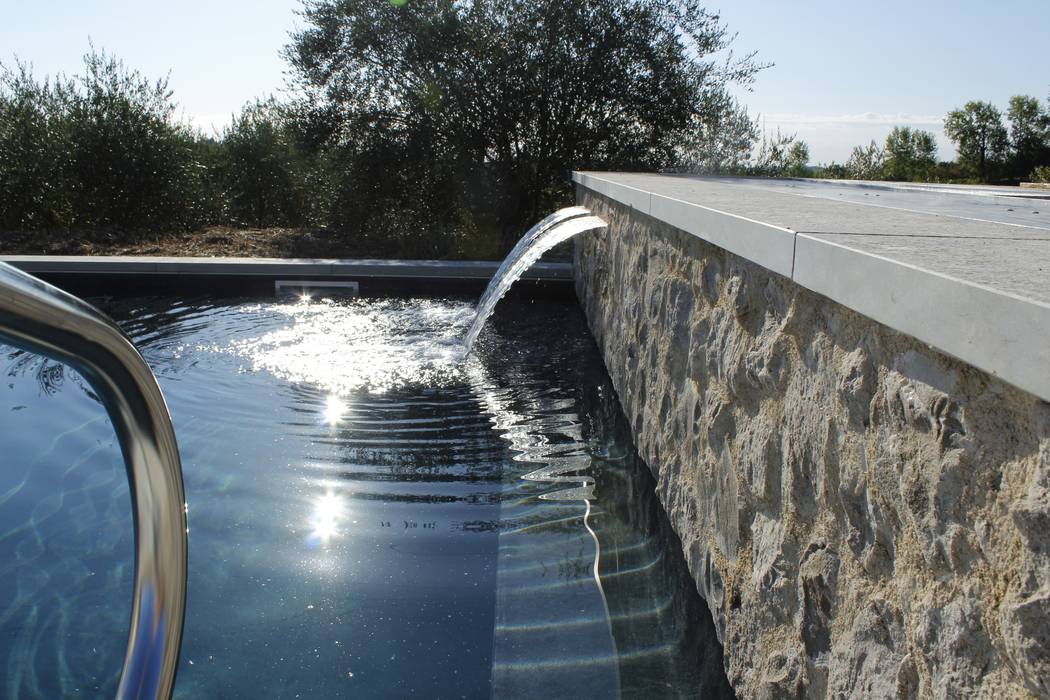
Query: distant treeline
x=436 y=130
x=415 y=129
x=990 y=151
x=102 y=151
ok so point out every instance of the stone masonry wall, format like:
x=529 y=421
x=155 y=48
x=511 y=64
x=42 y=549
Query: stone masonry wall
x=865 y=516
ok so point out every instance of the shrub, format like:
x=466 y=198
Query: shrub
x=262 y=172
x=132 y=166
x=35 y=191
x=100 y=150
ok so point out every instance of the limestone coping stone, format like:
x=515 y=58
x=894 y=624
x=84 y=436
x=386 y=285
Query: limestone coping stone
x=965 y=270
x=404 y=269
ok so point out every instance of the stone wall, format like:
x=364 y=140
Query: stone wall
x=865 y=516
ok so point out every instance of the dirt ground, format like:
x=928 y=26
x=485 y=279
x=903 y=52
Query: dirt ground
x=210 y=242
x=214 y=241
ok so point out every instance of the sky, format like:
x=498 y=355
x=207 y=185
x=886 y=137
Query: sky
x=847 y=72
x=844 y=73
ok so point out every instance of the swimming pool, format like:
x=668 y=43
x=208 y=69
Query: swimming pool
x=369 y=515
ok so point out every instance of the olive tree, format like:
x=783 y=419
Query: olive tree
x=35 y=191
x=101 y=149
x=257 y=166
x=723 y=140
x=483 y=106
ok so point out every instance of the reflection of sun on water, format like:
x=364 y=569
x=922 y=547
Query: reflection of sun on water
x=370 y=344
x=334 y=410
x=328 y=513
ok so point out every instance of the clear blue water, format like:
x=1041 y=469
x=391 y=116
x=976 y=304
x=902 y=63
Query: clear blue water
x=369 y=516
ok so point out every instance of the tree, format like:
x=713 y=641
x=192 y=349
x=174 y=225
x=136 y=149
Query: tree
x=258 y=165
x=832 y=171
x=484 y=106
x=980 y=137
x=100 y=149
x=910 y=154
x=797 y=159
x=780 y=155
x=35 y=191
x=723 y=141
x=866 y=162
x=1029 y=134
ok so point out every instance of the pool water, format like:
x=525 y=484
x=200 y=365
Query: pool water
x=370 y=516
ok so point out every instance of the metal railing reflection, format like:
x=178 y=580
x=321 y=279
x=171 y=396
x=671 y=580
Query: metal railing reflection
x=42 y=319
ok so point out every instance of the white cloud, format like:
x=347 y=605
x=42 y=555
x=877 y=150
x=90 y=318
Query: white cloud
x=866 y=119
x=831 y=137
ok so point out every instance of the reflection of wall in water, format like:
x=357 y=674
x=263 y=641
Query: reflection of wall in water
x=651 y=596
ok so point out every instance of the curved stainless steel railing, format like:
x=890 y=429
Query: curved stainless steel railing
x=43 y=319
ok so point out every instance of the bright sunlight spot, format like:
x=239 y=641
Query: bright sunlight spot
x=334 y=409
x=328 y=512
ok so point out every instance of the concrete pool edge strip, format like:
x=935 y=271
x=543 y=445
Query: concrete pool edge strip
x=268 y=267
x=1000 y=332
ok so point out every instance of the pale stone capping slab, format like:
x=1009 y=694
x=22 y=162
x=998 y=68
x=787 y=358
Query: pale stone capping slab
x=112 y=265
x=820 y=207
x=970 y=190
x=414 y=269
x=634 y=197
x=961 y=210
x=1003 y=334
x=228 y=266
x=976 y=290
x=771 y=246
x=459 y=269
x=1016 y=267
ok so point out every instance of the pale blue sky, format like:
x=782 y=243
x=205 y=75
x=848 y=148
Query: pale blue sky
x=845 y=72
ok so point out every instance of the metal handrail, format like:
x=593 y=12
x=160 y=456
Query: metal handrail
x=43 y=319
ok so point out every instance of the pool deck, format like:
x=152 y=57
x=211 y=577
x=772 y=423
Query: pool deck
x=122 y=275
x=963 y=269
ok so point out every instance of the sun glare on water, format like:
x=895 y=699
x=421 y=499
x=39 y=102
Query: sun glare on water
x=326 y=518
x=375 y=345
x=334 y=410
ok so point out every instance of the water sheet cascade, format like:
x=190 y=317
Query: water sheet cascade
x=559 y=226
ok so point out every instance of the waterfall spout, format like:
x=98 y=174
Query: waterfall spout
x=559 y=226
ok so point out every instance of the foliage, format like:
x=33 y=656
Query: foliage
x=477 y=110
x=866 y=162
x=259 y=167
x=34 y=145
x=1029 y=134
x=732 y=143
x=780 y=155
x=910 y=155
x=986 y=151
x=980 y=137
x=98 y=150
x=440 y=129
x=722 y=141
x=832 y=171
x=133 y=165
